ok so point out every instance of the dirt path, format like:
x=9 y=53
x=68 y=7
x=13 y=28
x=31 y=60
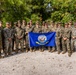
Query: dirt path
x=38 y=63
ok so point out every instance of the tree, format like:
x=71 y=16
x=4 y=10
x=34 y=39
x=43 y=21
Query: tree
x=57 y=10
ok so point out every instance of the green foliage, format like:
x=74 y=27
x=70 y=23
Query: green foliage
x=56 y=16
x=35 y=18
x=61 y=10
x=67 y=17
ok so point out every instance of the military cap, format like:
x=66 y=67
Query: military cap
x=66 y=23
x=7 y=23
x=28 y=23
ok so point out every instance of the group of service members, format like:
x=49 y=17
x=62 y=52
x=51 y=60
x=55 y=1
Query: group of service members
x=14 y=38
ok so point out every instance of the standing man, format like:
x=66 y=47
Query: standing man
x=70 y=31
x=28 y=29
x=23 y=26
x=37 y=29
x=73 y=38
x=53 y=29
x=8 y=35
x=65 y=41
x=58 y=37
x=19 y=34
x=14 y=38
x=46 y=29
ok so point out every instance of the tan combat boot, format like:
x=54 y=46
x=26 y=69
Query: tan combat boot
x=42 y=50
x=49 y=50
x=63 y=52
x=69 y=54
x=31 y=50
x=16 y=51
x=22 y=50
x=26 y=50
x=53 y=50
x=6 y=55
x=59 y=52
x=34 y=49
x=0 y=56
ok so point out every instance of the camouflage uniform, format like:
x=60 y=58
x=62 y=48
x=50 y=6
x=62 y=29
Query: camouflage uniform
x=28 y=29
x=37 y=29
x=14 y=38
x=73 y=39
x=58 y=36
x=19 y=34
x=8 y=41
x=23 y=26
x=70 y=31
x=65 y=41
x=53 y=29
x=45 y=29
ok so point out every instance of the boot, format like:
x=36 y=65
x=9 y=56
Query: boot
x=6 y=55
x=63 y=52
x=42 y=50
x=31 y=50
x=22 y=50
x=53 y=51
x=59 y=52
x=69 y=54
x=9 y=53
x=16 y=51
x=49 y=49
x=34 y=49
x=0 y=56
x=26 y=50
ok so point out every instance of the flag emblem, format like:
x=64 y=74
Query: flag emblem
x=42 y=40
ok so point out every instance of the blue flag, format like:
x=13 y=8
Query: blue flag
x=39 y=39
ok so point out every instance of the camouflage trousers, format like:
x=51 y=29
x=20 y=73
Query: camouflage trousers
x=66 y=45
x=19 y=41
x=73 y=44
x=8 y=47
x=27 y=43
x=58 y=44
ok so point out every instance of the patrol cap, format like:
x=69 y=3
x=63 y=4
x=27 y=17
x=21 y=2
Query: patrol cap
x=66 y=23
x=70 y=21
x=15 y=23
x=59 y=23
x=56 y=23
x=51 y=22
x=37 y=22
x=7 y=23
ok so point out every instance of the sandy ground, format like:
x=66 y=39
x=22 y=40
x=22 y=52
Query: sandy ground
x=38 y=63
